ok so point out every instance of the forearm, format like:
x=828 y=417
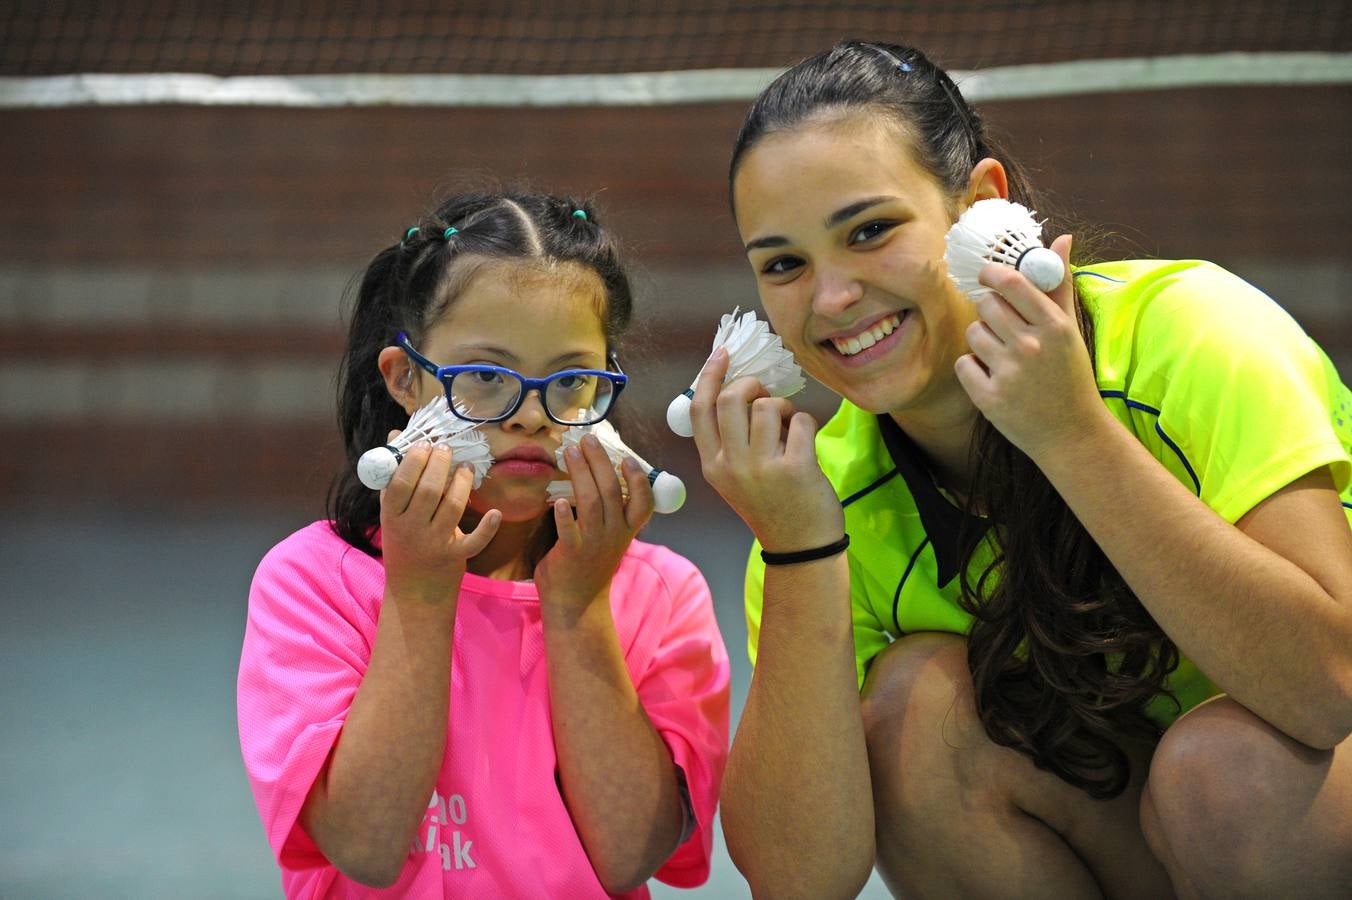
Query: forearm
x=1261 y=627
x=618 y=777
x=367 y=802
x=797 y=778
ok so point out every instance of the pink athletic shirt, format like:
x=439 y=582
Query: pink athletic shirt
x=496 y=825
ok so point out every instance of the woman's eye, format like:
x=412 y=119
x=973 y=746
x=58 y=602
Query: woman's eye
x=483 y=377
x=870 y=231
x=781 y=265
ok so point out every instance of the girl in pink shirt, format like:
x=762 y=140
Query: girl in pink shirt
x=449 y=691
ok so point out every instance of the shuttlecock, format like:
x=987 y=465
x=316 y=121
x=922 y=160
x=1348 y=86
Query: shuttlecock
x=434 y=422
x=997 y=230
x=668 y=490
x=753 y=349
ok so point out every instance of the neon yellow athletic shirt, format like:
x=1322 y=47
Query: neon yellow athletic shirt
x=1216 y=380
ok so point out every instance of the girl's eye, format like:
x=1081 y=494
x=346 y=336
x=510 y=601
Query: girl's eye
x=572 y=382
x=870 y=230
x=483 y=377
x=781 y=265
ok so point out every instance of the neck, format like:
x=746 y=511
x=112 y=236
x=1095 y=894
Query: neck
x=944 y=433
x=506 y=556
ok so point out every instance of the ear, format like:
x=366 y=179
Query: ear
x=987 y=181
x=400 y=378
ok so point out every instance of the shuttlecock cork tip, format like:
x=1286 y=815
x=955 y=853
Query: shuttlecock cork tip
x=668 y=492
x=1042 y=267
x=678 y=416
x=376 y=467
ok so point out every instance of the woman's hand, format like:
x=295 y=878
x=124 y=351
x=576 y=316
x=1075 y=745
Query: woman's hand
x=425 y=551
x=1029 y=371
x=578 y=569
x=759 y=453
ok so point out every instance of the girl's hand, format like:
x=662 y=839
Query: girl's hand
x=1029 y=371
x=759 y=453
x=424 y=549
x=578 y=569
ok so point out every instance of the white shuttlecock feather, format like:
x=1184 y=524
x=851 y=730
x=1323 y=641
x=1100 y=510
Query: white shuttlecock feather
x=753 y=349
x=1000 y=231
x=434 y=423
x=668 y=490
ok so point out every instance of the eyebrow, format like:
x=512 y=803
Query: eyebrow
x=841 y=215
x=578 y=356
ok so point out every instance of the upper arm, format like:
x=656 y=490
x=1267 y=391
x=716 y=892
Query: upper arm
x=1306 y=523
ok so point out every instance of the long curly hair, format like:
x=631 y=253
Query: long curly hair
x=1063 y=656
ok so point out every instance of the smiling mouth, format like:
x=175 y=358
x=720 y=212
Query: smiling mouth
x=863 y=340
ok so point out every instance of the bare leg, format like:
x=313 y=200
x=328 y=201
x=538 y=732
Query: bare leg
x=1234 y=809
x=960 y=816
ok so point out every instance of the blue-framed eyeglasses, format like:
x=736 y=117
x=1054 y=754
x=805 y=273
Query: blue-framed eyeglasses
x=483 y=393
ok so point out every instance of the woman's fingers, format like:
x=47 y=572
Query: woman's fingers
x=1002 y=318
x=769 y=418
x=703 y=410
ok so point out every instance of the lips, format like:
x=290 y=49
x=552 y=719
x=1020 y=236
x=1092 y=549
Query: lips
x=525 y=460
x=527 y=453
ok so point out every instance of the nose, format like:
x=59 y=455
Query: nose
x=834 y=291
x=530 y=416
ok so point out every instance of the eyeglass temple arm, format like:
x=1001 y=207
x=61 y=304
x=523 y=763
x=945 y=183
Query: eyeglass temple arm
x=403 y=344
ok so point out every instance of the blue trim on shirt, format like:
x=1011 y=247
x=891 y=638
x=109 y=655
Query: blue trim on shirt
x=1168 y=441
x=870 y=489
x=1348 y=505
x=896 y=598
x=1099 y=275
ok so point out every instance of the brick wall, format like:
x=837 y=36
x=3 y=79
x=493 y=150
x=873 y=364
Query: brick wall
x=170 y=278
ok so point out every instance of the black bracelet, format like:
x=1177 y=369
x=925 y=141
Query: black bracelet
x=798 y=556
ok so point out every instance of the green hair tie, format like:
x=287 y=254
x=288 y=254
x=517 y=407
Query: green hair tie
x=580 y=213
x=408 y=234
x=446 y=235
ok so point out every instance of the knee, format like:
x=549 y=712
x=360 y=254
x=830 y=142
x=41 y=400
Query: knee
x=916 y=686
x=1214 y=786
x=926 y=747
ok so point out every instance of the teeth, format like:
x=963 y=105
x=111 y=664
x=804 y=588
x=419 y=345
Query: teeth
x=851 y=345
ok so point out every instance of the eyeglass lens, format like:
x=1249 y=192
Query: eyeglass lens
x=574 y=399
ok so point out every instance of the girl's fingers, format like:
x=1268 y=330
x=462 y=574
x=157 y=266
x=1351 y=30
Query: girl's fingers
x=703 y=412
x=398 y=494
x=570 y=534
x=455 y=498
x=586 y=496
x=431 y=484
x=607 y=483
x=639 y=509
x=1023 y=297
x=473 y=543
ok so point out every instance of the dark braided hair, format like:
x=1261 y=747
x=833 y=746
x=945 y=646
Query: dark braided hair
x=1064 y=658
x=410 y=284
